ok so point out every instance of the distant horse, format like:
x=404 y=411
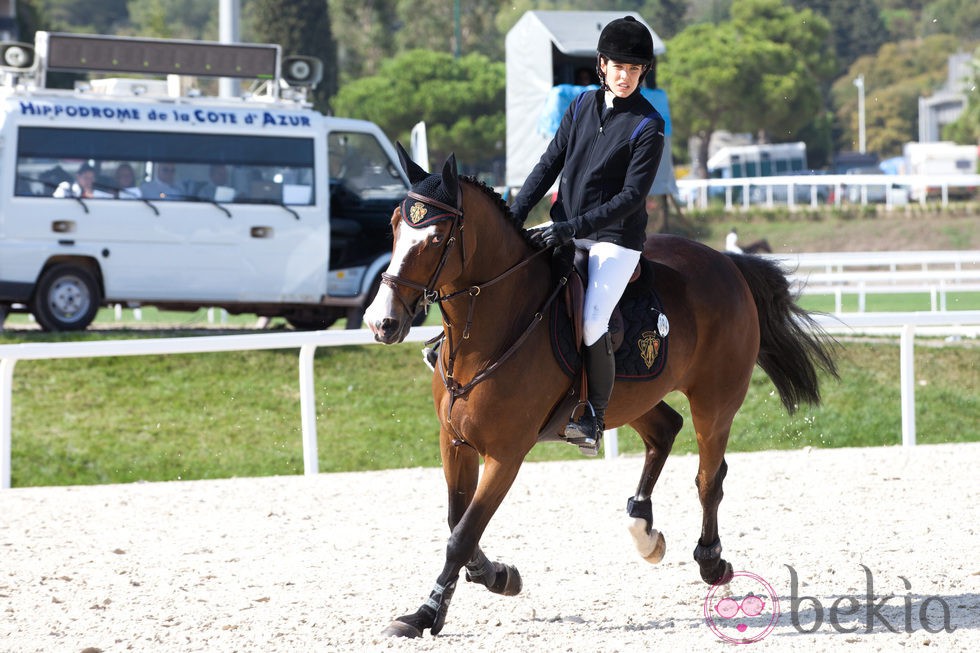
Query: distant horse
x=498 y=384
x=761 y=245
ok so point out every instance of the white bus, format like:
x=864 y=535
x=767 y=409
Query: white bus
x=771 y=159
x=256 y=204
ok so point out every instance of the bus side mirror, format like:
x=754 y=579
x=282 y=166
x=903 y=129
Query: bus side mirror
x=302 y=71
x=16 y=56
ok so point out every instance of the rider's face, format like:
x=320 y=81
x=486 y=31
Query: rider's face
x=621 y=78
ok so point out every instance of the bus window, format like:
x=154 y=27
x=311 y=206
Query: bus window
x=171 y=166
x=765 y=165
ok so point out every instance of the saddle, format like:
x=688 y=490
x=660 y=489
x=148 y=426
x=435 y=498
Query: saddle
x=638 y=329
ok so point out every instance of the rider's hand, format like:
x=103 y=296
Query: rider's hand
x=554 y=235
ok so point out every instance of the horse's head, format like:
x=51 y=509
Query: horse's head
x=427 y=236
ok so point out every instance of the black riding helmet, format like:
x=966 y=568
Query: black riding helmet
x=625 y=40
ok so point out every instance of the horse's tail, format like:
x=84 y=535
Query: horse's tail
x=792 y=347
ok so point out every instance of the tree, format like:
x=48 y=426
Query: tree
x=461 y=101
x=958 y=17
x=104 y=17
x=796 y=64
x=857 y=27
x=966 y=128
x=185 y=19
x=301 y=27
x=760 y=71
x=363 y=30
x=894 y=80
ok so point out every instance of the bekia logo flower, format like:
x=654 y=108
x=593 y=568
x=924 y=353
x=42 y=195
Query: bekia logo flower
x=742 y=611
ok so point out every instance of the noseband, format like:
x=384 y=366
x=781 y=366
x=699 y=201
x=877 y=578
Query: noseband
x=429 y=295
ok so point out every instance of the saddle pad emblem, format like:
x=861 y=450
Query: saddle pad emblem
x=649 y=345
x=417 y=212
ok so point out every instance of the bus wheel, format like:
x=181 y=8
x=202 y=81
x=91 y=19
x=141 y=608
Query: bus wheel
x=310 y=321
x=66 y=298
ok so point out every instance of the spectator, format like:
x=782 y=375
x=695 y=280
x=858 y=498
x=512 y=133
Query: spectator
x=83 y=186
x=731 y=242
x=217 y=178
x=164 y=186
x=126 y=187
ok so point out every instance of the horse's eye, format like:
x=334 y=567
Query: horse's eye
x=436 y=239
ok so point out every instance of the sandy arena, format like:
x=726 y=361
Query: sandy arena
x=325 y=563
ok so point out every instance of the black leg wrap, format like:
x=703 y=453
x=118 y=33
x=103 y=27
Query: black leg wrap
x=481 y=570
x=439 y=602
x=714 y=570
x=495 y=576
x=641 y=509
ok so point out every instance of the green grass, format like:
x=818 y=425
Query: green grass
x=152 y=418
x=113 y=420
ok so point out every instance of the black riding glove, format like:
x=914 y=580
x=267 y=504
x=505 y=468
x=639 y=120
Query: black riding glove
x=555 y=234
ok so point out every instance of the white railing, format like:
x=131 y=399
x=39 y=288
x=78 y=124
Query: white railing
x=815 y=190
x=866 y=273
x=954 y=259
x=307 y=342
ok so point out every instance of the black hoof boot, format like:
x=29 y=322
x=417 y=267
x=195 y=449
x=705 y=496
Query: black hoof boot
x=714 y=569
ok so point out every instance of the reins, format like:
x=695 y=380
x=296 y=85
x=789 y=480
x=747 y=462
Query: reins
x=429 y=295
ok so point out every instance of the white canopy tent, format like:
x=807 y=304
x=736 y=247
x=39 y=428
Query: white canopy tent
x=546 y=49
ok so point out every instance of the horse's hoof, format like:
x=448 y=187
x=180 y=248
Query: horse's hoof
x=650 y=543
x=719 y=573
x=401 y=629
x=512 y=583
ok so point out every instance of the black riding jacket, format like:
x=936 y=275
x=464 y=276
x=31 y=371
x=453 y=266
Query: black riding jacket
x=608 y=163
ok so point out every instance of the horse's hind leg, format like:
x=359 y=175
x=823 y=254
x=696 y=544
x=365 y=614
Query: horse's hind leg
x=657 y=428
x=712 y=429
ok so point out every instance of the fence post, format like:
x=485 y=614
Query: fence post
x=907 y=377
x=6 y=406
x=307 y=407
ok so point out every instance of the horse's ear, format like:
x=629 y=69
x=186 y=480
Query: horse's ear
x=450 y=177
x=413 y=170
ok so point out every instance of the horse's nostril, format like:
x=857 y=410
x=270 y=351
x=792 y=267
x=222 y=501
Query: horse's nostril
x=389 y=325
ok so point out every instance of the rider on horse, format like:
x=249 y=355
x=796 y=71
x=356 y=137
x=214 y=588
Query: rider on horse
x=607 y=150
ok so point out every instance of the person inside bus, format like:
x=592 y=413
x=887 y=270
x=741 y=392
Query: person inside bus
x=83 y=186
x=164 y=186
x=125 y=180
x=217 y=188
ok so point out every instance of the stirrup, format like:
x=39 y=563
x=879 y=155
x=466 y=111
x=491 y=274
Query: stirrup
x=585 y=432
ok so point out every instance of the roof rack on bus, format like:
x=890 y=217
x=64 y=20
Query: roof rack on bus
x=273 y=75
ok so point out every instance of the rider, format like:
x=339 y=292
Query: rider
x=607 y=149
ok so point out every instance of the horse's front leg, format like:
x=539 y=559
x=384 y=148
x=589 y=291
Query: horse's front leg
x=468 y=519
x=657 y=429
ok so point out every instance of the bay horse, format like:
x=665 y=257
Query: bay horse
x=497 y=381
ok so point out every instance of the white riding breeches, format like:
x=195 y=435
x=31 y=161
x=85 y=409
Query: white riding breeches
x=610 y=268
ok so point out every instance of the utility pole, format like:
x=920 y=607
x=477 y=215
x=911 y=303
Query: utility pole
x=859 y=82
x=229 y=12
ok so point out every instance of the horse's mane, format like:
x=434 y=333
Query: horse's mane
x=497 y=199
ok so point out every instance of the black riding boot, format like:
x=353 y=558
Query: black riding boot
x=600 y=368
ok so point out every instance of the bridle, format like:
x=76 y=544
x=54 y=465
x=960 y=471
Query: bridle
x=429 y=295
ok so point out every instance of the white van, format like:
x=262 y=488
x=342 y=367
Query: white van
x=135 y=191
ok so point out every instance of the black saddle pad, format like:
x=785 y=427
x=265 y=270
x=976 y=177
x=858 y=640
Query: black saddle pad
x=643 y=352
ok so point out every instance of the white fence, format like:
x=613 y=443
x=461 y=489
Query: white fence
x=815 y=190
x=307 y=342
x=864 y=273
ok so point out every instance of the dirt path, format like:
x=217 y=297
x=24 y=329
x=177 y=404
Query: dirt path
x=323 y=564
